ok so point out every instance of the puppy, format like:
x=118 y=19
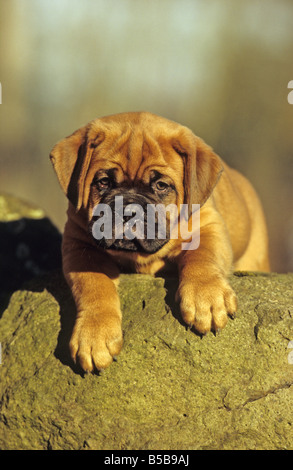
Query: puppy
x=143 y=160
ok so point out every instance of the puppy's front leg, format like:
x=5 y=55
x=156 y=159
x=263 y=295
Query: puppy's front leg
x=205 y=296
x=97 y=333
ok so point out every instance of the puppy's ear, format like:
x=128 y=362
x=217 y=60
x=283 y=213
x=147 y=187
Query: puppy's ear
x=208 y=169
x=71 y=159
x=202 y=170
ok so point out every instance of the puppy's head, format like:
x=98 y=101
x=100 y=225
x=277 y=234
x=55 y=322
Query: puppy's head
x=121 y=170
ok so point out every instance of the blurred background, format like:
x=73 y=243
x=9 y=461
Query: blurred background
x=221 y=68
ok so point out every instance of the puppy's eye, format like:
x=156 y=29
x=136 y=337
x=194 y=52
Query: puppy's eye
x=104 y=182
x=161 y=186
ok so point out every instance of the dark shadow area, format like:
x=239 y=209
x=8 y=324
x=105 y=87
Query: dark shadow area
x=171 y=286
x=28 y=248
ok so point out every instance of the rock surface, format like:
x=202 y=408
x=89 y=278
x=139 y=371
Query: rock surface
x=169 y=389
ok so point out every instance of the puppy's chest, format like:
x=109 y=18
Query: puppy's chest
x=161 y=267
x=145 y=266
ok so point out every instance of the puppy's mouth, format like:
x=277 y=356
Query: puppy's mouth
x=136 y=245
x=129 y=222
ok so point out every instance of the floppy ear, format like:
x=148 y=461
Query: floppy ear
x=202 y=170
x=71 y=159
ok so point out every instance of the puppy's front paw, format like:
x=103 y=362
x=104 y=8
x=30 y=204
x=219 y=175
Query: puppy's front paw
x=206 y=304
x=96 y=339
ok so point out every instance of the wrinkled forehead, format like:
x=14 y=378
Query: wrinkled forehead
x=136 y=143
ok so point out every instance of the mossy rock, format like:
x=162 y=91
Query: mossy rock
x=168 y=389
